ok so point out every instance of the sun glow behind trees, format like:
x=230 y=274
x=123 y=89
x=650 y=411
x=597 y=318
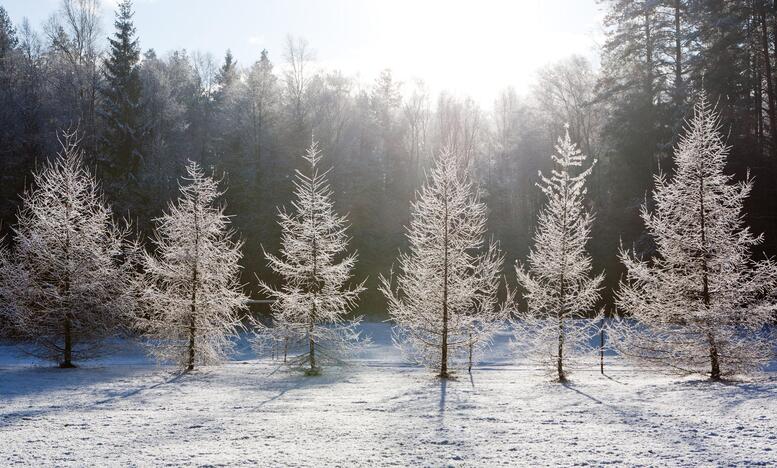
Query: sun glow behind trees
x=450 y=44
x=447 y=43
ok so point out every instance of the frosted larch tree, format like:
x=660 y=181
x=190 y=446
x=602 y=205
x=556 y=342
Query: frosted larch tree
x=68 y=284
x=702 y=303
x=444 y=297
x=192 y=290
x=315 y=297
x=557 y=282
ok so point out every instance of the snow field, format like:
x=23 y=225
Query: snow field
x=377 y=412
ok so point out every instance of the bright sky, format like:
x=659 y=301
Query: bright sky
x=475 y=47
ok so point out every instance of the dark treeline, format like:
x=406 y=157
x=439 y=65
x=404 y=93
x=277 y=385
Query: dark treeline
x=142 y=113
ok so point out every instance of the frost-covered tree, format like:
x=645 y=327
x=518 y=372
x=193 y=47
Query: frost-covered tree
x=444 y=298
x=702 y=303
x=68 y=283
x=312 y=304
x=192 y=289
x=558 y=286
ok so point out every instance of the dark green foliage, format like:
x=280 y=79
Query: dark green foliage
x=123 y=130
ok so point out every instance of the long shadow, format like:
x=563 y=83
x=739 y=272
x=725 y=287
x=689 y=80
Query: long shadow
x=56 y=408
x=614 y=379
x=292 y=379
x=571 y=387
x=273 y=398
x=25 y=381
x=135 y=391
x=633 y=417
x=443 y=395
x=295 y=382
x=734 y=393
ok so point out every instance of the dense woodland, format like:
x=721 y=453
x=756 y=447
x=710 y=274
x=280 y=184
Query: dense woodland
x=141 y=114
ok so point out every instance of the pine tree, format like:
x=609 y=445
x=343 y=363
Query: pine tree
x=558 y=285
x=702 y=302
x=227 y=75
x=444 y=302
x=8 y=39
x=122 y=92
x=192 y=290
x=68 y=283
x=313 y=302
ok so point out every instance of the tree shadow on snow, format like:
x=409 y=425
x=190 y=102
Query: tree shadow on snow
x=443 y=395
x=120 y=395
x=26 y=381
x=648 y=418
x=282 y=380
x=568 y=385
x=732 y=393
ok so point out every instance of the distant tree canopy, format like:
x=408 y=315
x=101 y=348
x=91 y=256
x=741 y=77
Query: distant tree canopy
x=141 y=115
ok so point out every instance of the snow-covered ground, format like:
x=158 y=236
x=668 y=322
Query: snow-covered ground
x=127 y=411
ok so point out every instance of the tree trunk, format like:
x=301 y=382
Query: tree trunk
x=601 y=349
x=67 y=358
x=647 y=26
x=315 y=287
x=562 y=292
x=714 y=358
x=444 y=344
x=757 y=102
x=678 y=56
x=560 y=360
x=192 y=325
x=312 y=354
x=768 y=73
x=190 y=364
x=469 y=367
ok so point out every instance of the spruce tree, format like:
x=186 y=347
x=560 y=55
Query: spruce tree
x=192 y=288
x=557 y=284
x=68 y=284
x=702 y=302
x=8 y=39
x=227 y=75
x=444 y=299
x=122 y=92
x=311 y=306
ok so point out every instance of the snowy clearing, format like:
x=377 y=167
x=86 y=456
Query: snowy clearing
x=128 y=411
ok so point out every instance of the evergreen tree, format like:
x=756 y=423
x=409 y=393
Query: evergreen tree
x=312 y=304
x=558 y=284
x=9 y=92
x=8 y=39
x=227 y=75
x=68 y=285
x=227 y=124
x=122 y=92
x=702 y=302
x=444 y=301
x=192 y=286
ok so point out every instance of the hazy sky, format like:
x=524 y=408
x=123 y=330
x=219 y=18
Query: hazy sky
x=469 y=47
